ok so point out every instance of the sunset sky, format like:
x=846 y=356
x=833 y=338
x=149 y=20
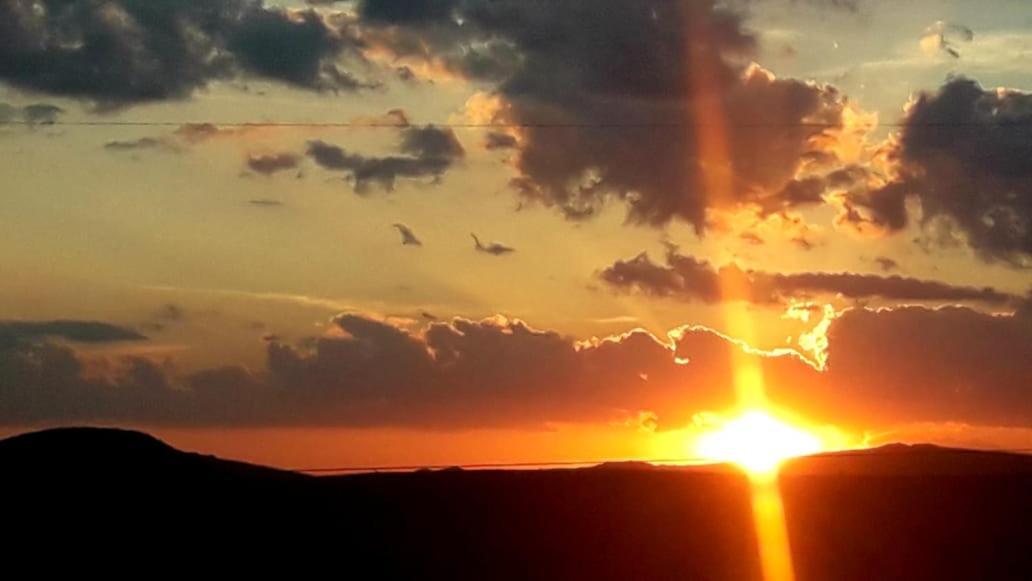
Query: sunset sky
x=246 y=226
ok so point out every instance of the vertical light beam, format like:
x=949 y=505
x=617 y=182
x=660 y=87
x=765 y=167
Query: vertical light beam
x=771 y=528
x=713 y=160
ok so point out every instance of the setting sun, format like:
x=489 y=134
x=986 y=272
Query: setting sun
x=757 y=441
x=599 y=290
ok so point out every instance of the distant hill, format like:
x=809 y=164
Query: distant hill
x=108 y=452
x=109 y=500
x=911 y=459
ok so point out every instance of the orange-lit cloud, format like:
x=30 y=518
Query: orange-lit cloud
x=882 y=368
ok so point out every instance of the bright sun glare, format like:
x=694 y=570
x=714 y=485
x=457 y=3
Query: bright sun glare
x=757 y=441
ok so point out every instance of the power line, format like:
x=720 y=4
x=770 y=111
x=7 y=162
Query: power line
x=363 y=125
x=488 y=465
x=688 y=461
x=375 y=125
x=482 y=465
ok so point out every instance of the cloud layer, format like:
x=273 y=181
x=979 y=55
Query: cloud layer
x=123 y=52
x=690 y=279
x=882 y=366
x=613 y=98
x=18 y=332
x=427 y=152
x=34 y=114
x=963 y=154
x=270 y=163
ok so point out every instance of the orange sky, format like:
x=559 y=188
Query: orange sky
x=707 y=207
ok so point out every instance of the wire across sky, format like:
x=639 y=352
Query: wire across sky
x=375 y=125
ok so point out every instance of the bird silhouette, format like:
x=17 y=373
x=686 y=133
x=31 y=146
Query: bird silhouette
x=408 y=237
x=494 y=248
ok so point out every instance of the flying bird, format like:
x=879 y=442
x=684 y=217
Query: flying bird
x=408 y=237
x=495 y=248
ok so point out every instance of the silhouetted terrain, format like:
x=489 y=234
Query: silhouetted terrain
x=109 y=500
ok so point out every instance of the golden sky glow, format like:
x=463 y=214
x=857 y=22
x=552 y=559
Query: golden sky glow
x=274 y=314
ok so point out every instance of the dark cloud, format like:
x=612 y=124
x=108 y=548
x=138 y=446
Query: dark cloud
x=122 y=52
x=850 y=5
x=270 y=163
x=405 y=73
x=685 y=277
x=429 y=152
x=920 y=364
x=266 y=203
x=886 y=263
x=943 y=38
x=47 y=382
x=661 y=70
x=963 y=153
x=496 y=140
x=79 y=331
x=408 y=237
x=172 y=313
x=42 y=113
x=464 y=373
x=167 y=315
x=431 y=143
x=414 y=12
x=393 y=118
x=493 y=248
x=34 y=114
x=691 y=279
x=847 y=5
x=143 y=143
x=298 y=48
x=752 y=238
x=881 y=367
x=861 y=286
x=200 y=132
x=186 y=136
x=802 y=243
x=797 y=192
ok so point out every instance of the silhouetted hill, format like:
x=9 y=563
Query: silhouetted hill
x=109 y=453
x=109 y=500
x=911 y=459
x=910 y=512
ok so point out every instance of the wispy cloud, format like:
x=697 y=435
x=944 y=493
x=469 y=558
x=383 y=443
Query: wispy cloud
x=328 y=304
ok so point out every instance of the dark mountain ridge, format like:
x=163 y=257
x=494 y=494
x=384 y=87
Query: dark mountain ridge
x=120 y=500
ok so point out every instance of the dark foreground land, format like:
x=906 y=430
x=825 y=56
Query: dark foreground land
x=114 y=501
